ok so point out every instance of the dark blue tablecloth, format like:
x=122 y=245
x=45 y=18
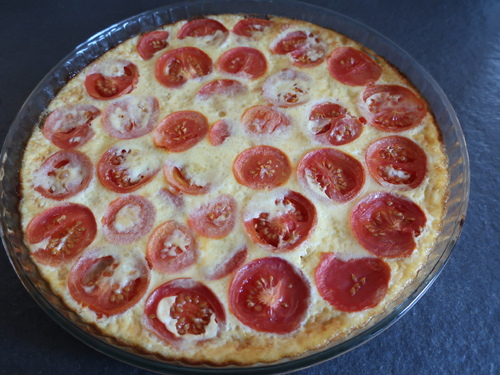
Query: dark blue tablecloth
x=453 y=329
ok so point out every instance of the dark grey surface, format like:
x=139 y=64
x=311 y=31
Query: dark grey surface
x=453 y=329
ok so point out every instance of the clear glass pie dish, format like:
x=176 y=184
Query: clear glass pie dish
x=28 y=116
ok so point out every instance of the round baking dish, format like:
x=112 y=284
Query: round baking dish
x=20 y=131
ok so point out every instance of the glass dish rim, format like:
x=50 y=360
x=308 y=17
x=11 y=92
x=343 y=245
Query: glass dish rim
x=203 y=8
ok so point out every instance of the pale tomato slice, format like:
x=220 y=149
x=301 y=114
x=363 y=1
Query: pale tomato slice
x=243 y=62
x=179 y=180
x=214 y=219
x=262 y=167
x=219 y=132
x=234 y=261
x=152 y=42
x=387 y=224
x=60 y=233
x=225 y=87
x=184 y=310
x=122 y=168
x=352 y=285
x=280 y=222
x=396 y=162
x=288 y=88
x=249 y=27
x=270 y=295
x=63 y=175
x=263 y=119
x=107 y=283
x=131 y=117
x=172 y=247
x=180 y=131
x=70 y=126
x=110 y=79
x=353 y=67
x=392 y=108
x=128 y=218
x=331 y=174
x=175 y=67
x=304 y=49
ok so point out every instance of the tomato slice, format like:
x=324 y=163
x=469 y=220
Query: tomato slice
x=269 y=295
x=70 y=126
x=263 y=119
x=180 y=131
x=392 y=108
x=287 y=88
x=333 y=126
x=353 y=67
x=107 y=283
x=231 y=264
x=176 y=66
x=127 y=219
x=172 y=247
x=215 y=219
x=61 y=233
x=248 y=27
x=201 y=28
x=131 y=117
x=184 y=310
x=262 y=167
x=304 y=50
x=243 y=62
x=281 y=222
x=226 y=87
x=122 y=168
x=396 y=161
x=152 y=42
x=178 y=179
x=387 y=225
x=111 y=79
x=63 y=175
x=353 y=285
x=331 y=174
x=219 y=132
x=173 y=195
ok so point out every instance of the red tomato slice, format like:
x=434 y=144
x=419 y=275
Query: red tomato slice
x=263 y=119
x=226 y=87
x=122 y=169
x=201 y=28
x=396 y=161
x=131 y=117
x=219 y=132
x=107 y=283
x=353 y=67
x=353 y=285
x=177 y=178
x=70 y=126
x=61 y=233
x=269 y=295
x=287 y=88
x=127 y=219
x=331 y=174
x=282 y=223
x=152 y=42
x=232 y=263
x=63 y=175
x=304 y=50
x=176 y=66
x=189 y=306
x=392 y=108
x=180 y=131
x=215 y=219
x=243 y=62
x=262 y=167
x=387 y=225
x=111 y=80
x=172 y=247
x=249 y=26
